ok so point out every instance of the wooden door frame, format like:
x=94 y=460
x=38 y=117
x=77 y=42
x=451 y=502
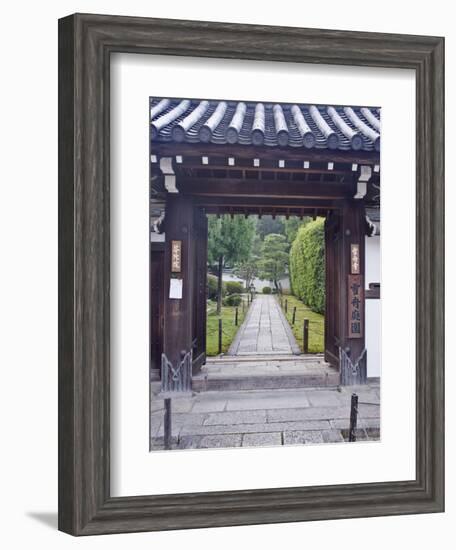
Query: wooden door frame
x=187 y=320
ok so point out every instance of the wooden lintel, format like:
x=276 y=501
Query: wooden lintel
x=261 y=211
x=243 y=203
x=265 y=188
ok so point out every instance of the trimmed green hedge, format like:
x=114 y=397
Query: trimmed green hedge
x=307 y=265
x=232 y=300
x=234 y=287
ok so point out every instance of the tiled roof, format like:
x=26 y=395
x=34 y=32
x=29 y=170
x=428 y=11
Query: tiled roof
x=279 y=124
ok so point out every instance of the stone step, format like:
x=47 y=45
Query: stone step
x=249 y=357
x=269 y=381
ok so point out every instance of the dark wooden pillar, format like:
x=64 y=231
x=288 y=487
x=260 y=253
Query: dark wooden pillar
x=200 y=290
x=351 y=287
x=332 y=302
x=178 y=313
x=156 y=309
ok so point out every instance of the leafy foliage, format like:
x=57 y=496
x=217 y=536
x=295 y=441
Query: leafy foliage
x=267 y=224
x=307 y=265
x=230 y=238
x=212 y=287
x=247 y=270
x=229 y=242
x=234 y=287
x=267 y=290
x=292 y=226
x=274 y=258
x=232 y=300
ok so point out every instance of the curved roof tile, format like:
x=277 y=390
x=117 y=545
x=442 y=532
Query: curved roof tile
x=373 y=135
x=371 y=118
x=207 y=129
x=272 y=125
x=280 y=125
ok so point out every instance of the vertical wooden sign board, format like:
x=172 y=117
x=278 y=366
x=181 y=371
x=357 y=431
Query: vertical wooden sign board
x=355 y=267
x=176 y=256
x=355 y=306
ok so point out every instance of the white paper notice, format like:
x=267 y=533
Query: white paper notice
x=175 y=289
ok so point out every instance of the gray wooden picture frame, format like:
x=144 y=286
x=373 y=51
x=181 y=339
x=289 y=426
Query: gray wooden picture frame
x=85 y=45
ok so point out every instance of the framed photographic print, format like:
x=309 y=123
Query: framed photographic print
x=251 y=274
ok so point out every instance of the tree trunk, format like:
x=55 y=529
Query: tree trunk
x=219 y=285
x=247 y=283
x=276 y=285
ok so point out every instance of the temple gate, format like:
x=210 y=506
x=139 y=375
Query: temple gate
x=239 y=158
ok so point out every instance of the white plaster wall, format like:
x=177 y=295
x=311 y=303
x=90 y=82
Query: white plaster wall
x=373 y=308
x=372 y=269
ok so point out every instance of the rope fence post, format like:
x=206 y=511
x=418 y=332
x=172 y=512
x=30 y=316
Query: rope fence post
x=286 y=305
x=220 y=336
x=353 y=417
x=294 y=316
x=167 y=424
x=236 y=316
x=305 y=336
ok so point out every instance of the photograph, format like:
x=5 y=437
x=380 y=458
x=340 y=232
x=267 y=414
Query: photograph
x=224 y=259
x=265 y=273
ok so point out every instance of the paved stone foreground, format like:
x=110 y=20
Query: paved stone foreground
x=264 y=331
x=267 y=418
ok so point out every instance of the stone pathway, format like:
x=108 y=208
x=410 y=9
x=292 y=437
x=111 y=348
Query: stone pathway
x=265 y=418
x=264 y=331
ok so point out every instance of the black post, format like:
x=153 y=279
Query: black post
x=353 y=417
x=294 y=316
x=305 y=336
x=220 y=336
x=281 y=302
x=167 y=424
x=286 y=306
x=236 y=316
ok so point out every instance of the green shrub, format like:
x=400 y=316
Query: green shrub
x=212 y=282
x=307 y=265
x=267 y=290
x=234 y=287
x=232 y=300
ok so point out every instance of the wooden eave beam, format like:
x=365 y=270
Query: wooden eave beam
x=290 y=170
x=264 y=152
